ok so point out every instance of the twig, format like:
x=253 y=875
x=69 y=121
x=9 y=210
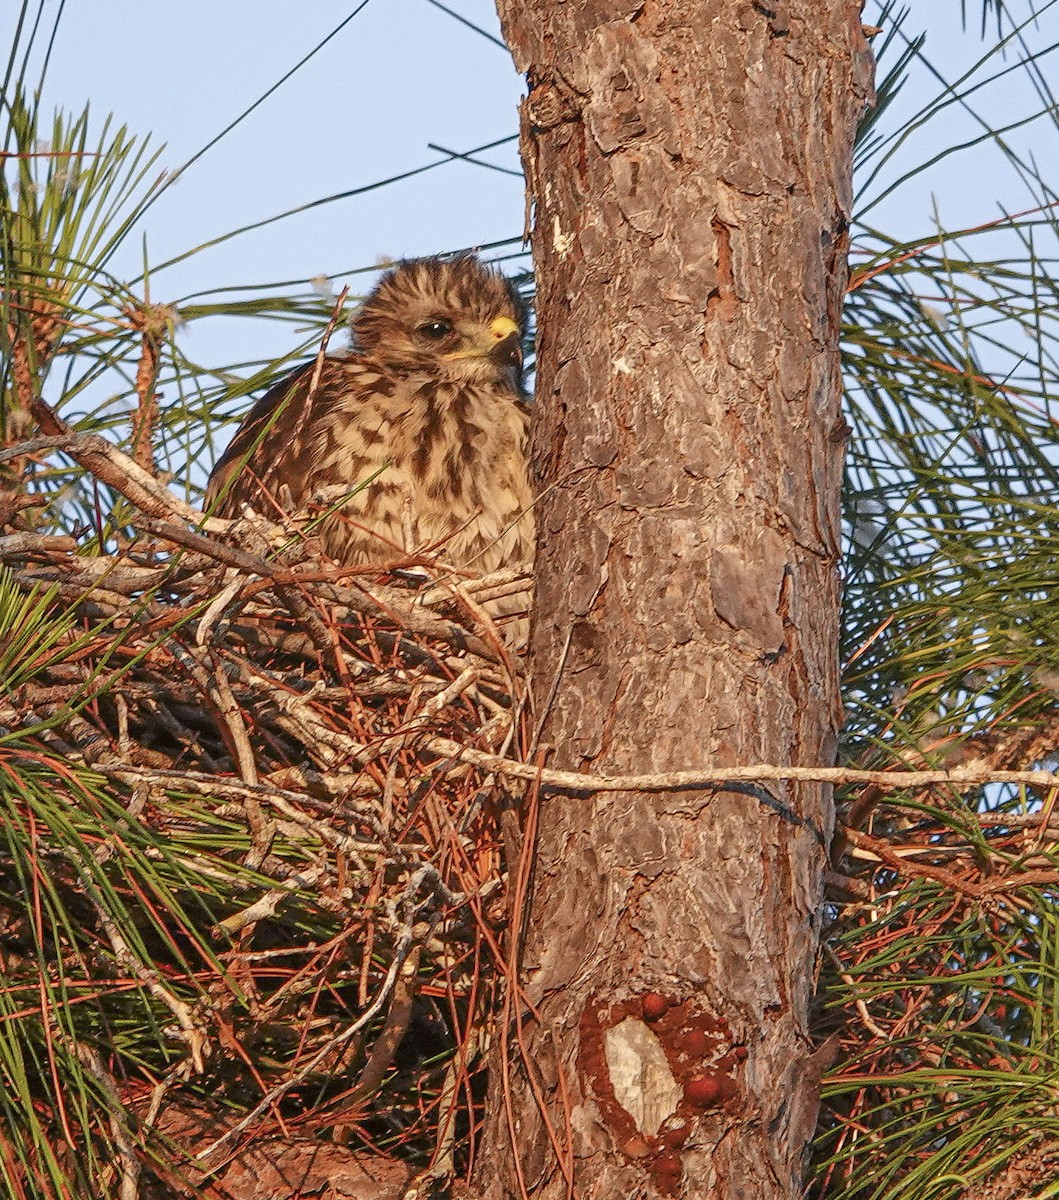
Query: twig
x=282 y=800
x=718 y=778
x=949 y=879
x=251 y=564
x=378 y=601
x=412 y=937
x=119 y=1123
x=193 y=1036
x=117 y=470
x=318 y=365
x=867 y=1021
x=147 y=321
x=398 y=1017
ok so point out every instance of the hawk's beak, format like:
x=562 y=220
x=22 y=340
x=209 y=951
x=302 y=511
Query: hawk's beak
x=502 y=328
x=500 y=341
x=507 y=345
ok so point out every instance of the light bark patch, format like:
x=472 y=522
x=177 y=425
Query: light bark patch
x=640 y=1076
x=746 y=590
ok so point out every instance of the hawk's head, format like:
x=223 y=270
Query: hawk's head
x=452 y=318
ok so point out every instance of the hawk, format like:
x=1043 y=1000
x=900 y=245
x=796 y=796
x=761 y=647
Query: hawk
x=414 y=441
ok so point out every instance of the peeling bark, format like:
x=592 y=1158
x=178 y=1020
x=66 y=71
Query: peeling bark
x=690 y=165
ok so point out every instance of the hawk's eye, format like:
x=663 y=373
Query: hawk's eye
x=436 y=330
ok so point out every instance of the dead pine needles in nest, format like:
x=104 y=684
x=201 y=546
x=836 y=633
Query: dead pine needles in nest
x=250 y=921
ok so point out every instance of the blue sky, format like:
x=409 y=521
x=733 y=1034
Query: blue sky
x=399 y=75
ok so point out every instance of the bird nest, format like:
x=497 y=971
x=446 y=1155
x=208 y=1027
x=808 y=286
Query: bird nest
x=261 y=806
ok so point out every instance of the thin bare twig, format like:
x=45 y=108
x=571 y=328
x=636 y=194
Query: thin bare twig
x=718 y=777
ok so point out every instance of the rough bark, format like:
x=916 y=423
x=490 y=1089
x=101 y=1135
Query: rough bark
x=689 y=162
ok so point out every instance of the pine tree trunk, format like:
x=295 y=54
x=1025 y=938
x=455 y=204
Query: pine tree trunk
x=690 y=164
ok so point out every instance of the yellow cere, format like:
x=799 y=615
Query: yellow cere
x=502 y=327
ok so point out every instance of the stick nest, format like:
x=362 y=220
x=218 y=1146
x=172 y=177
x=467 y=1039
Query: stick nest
x=280 y=906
